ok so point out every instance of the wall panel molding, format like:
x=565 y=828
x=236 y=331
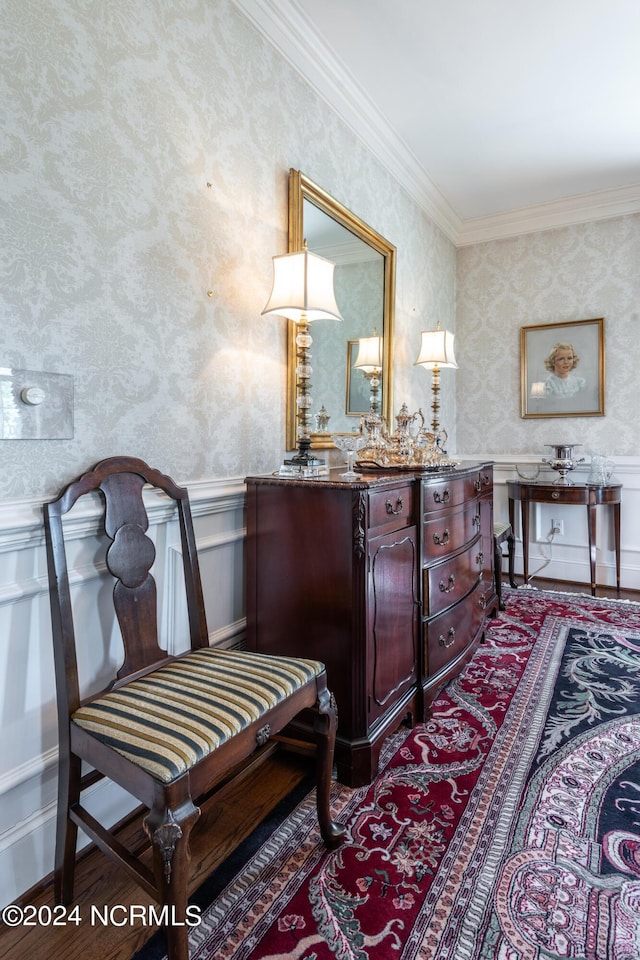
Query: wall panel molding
x=26 y=771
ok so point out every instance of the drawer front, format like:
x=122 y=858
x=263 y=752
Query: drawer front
x=450 y=493
x=391 y=509
x=450 y=531
x=447 y=582
x=447 y=636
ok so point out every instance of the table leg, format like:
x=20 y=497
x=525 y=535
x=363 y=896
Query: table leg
x=511 y=549
x=512 y=513
x=616 y=534
x=497 y=570
x=591 y=510
x=524 y=514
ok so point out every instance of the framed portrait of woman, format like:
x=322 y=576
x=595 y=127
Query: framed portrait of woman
x=562 y=369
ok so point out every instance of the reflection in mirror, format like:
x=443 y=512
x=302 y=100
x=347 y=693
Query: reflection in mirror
x=364 y=283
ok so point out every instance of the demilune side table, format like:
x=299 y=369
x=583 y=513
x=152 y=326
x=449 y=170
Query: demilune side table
x=590 y=495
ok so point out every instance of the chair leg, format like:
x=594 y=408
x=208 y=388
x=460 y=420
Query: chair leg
x=326 y=722
x=69 y=776
x=169 y=831
x=511 y=545
x=497 y=569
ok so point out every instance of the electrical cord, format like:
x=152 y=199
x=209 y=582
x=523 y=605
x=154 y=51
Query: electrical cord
x=547 y=560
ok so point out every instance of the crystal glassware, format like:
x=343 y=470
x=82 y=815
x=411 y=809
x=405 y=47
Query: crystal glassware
x=349 y=443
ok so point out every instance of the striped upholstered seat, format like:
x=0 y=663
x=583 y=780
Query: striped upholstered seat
x=169 y=720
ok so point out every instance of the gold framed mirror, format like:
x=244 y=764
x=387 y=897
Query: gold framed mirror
x=364 y=281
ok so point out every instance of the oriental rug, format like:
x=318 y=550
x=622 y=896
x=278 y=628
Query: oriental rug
x=505 y=828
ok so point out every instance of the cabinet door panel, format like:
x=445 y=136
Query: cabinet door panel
x=394 y=617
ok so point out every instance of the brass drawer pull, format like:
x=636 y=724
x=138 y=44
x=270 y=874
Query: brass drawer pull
x=477 y=485
x=443 y=497
x=486 y=479
x=443 y=540
x=480 y=559
x=476 y=520
x=449 y=639
x=555 y=495
x=394 y=510
x=451 y=584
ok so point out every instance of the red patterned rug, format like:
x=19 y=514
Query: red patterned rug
x=507 y=828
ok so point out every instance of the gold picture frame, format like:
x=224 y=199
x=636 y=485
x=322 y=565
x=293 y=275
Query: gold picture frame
x=562 y=369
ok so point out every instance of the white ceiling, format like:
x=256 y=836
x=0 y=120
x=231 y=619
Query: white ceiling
x=499 y=116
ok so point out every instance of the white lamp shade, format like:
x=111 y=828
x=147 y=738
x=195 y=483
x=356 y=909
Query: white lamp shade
x=436 y=348
x=302 y=285
x=369 y=354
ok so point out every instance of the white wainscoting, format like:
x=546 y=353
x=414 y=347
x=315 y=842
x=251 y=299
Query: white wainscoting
x=567 y=557
x=28 y=720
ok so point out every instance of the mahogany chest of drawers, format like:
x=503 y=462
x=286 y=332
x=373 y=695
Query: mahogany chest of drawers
x=387 y=580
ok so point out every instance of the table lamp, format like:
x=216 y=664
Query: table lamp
x=303 y=292
x=436 y=351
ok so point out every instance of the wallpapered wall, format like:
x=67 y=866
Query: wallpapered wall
x=574 y=273
x=117 y=116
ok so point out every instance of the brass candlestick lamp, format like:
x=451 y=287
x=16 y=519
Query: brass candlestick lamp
x=369 y=362
x=303 y=292
x=436 y=351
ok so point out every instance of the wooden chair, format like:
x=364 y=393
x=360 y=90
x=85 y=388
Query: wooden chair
x=167 y=728
x=503 y=533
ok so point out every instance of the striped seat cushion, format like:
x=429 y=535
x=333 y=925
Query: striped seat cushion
x=169 y=720
x=499 y=528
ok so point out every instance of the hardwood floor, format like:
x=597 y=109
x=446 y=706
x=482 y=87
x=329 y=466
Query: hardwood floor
x=609 y=593
x=226 y=820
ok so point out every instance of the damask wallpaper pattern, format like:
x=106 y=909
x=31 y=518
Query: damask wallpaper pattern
x=117 y=116
x=573 y=273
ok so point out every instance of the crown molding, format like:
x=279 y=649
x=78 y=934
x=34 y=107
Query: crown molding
x=601 y=205
x=289 y=30
x=293 y=35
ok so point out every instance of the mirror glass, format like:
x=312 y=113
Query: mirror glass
x=364 y=283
